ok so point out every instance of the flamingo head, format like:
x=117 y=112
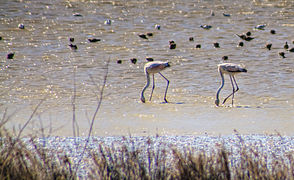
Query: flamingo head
x=143 y=99
x=217 y=102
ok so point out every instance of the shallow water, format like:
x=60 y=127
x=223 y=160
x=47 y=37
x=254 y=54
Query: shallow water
x=45 y=69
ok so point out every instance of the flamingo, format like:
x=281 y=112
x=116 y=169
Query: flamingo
x=230 y=69
x=153 y=68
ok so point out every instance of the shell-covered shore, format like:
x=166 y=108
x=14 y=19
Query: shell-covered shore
x=274 y=147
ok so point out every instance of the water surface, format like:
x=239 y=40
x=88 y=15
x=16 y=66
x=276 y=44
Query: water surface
x=45 y=69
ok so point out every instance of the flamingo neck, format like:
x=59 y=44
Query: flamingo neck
x=146 y=86
x=220 y=88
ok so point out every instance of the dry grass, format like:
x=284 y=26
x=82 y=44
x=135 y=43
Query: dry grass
x=19 y=162
x=128 y=162
x=150 y=161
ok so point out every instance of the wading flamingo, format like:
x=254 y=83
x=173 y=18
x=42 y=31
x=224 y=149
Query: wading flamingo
x=153 y=68
x=230 y=69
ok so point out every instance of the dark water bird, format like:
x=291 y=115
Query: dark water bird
x=143 y=36
x=77 y=15
x=241 y=44
x=230 y=69
x=133 y=60
x=216 y=45
x=71 y=39
x=244 y=37
x=172 y=45
x=291 y=50
x=191 y=39
x=10 y=55
x=157 y=26
x=107 y=22
x=248 y=38
x=225 y=58
x=248 y=33
x=1 y=38
x=273 y=31
x=73 y=46
x=226 y=15
x=149 y=59
x=119 y=61
x=282 y=54
x=260 y=26
x=212 y=13
x=150 y=34
x=152 y=68
x=268 y=46
x=205 y=26
x=286 y=46
x=21 y=26
x=198 y=46
x=94 y=40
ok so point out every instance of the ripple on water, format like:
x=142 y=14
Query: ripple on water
x=43 y=66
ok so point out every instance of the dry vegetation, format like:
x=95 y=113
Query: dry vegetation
x=128 y=161
x=17 y=161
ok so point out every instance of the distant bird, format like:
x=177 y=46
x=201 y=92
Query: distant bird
x=1 y=38
x=94 y=40
x=10 y=55
x=245 y=37
x=291 y=50
x=133 y=60
x=152 y=68
x=216 y=45
x=226 y=15
x=150 y=34
x=73 y=46
x=191 y=39
x=157 y=26
x=212 y=13
x=273 y=31
x=149 y=59
x=71 y=39
x=230 y=69
x=249 y=38
x=205 y=26
x=172 y=45
x=286 y=46
x=107 y=22
x=77 y=15
x=143 y=36
x=248 y=33
x=268 y=46
x=198 y=46
x=242 y=36
x=225 y=58
x=260 y=26
x=241 y=44
x=119 y=61
x=21 y=26
x=282 y=54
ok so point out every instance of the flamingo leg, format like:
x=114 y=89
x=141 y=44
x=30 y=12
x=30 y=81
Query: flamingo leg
x=153 y=87
x=234 y=90
x=166 y=87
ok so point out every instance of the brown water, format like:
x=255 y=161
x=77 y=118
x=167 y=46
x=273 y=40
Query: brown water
x=43 y=66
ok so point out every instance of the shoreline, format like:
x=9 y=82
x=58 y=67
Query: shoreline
x=271 y=146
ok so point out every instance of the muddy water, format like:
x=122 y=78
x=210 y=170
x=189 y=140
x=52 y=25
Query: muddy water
x=45 y=69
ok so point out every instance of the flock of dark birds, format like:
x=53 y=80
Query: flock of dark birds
x=172 y=45
x=153 y=67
